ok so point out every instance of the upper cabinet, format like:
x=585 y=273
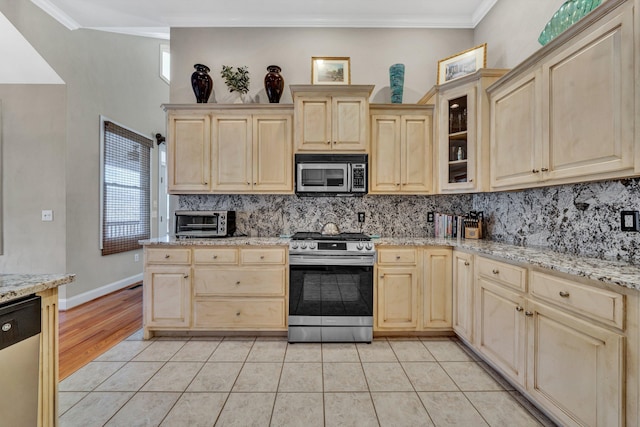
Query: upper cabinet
x=401 y=158
x=463 y=131
x=331 y=117
x=230 y=149
x=566 y=114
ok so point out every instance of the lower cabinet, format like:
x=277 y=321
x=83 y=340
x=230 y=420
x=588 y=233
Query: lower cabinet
x=462 y=306
x=167 y=296
x=413 y=289
x=549 y=337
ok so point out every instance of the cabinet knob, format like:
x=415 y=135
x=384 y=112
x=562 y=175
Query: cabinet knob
x=215 y=257
x=255 y=183
x=466 y=263
x=397 y=256
x=528 y=314
x=261 y=256
x=186 y=276
x=535 y=170
x=519 y=309
x=248 y=183
x=237 y=313
x=382 y=276
x=167 y=256
x=328 y=142
x=237 y=283
x=471 y=180
x=398 y=184
x=564 y=294
x=495 y=271
x=544 y=169
x=206 y=183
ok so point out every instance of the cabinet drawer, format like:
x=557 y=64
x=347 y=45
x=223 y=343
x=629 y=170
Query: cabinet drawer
x=234 y=313
x=215 y=256
x=168 y=256
x=236 y=281
x=397 y=256
x=506 y=274
x=263 y=256
x=598 y=304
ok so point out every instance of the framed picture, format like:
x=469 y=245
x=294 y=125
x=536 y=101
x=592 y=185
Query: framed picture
x=330 y=70
x=461 y=64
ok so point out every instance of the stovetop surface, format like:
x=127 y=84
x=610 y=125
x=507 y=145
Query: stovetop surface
x=346 y=237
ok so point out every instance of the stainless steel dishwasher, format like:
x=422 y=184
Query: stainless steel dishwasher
x=20 y=327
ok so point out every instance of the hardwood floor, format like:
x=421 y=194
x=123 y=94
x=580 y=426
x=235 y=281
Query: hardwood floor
x=92 y=328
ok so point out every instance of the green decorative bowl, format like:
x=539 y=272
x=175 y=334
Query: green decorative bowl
x=569 y=13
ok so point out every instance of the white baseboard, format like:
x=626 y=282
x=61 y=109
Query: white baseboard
x=74 y=301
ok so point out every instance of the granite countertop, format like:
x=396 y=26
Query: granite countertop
x=605 y=271
x=13 y=286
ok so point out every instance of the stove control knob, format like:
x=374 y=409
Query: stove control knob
x=369 y=246
x=359 y=246
x=294 y=245
x=303 y=245
x=312 y=245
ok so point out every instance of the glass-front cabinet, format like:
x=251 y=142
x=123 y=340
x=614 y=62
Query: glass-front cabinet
x=463 y=131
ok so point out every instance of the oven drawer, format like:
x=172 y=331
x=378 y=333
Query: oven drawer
x=397 y=256
x=263 y=256
x=168 y=256
x=215 y=256
x=235 y=313
x=236 y=282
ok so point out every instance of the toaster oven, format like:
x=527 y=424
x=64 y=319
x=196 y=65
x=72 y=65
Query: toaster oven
x=205 y=223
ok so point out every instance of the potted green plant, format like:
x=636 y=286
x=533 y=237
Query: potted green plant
x=236 y=81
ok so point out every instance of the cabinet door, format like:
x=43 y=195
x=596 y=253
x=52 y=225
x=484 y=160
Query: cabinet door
x=458 y=140
x=232 y=142
x=397 y=298
x=575 y=369
x=463 y=295
x=416 y=156
x=349 y=117
x=167 y=296
x=588 y=88
x=516 y=133
x=272 y=157
x=313 y=123
x=189 y=153
x=500 y=328
x=437 y=291
x=385 y=153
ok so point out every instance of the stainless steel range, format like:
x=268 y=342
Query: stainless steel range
x=331 y=287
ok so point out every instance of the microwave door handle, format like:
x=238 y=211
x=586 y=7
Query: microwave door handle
x=349 y=175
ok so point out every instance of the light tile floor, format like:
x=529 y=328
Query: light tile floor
x=249 y=381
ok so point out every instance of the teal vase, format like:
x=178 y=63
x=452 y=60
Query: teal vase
x=396 y=80
x=568 y=14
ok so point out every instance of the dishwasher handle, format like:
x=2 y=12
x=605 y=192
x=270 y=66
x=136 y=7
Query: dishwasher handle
x=19 y=320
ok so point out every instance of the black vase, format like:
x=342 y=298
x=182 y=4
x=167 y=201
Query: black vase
x=202 y=83
x=273 y=84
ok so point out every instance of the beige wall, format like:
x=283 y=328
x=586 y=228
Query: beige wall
x=372 y=51
x=511 y=30
x=110 y=74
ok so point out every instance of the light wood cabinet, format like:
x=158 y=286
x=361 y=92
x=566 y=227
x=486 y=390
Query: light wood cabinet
x=543 y=129
x=396 y=293
x=437 y=289
x=463 y=131
x=401 y=149
x=463 y=295
x=331 y=117
x=167 y=297
x=188 y=153
x=252 y=153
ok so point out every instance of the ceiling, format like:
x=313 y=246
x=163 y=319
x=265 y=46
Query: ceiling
x=153 y=18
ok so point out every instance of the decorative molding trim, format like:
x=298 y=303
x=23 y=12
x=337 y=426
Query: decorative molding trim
x=57 y=14
x=482 y=10
x=68 y=303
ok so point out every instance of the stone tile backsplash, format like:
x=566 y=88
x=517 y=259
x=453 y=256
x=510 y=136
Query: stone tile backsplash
x=581 y=219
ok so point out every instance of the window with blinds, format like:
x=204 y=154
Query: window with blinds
x=126 y=170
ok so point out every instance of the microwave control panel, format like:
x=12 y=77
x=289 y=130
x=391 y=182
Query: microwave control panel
x=359 y=177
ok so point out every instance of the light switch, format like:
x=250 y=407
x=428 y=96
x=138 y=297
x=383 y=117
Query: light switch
x=47 y=215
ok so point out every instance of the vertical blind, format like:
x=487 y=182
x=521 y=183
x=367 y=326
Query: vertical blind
x=126 y=189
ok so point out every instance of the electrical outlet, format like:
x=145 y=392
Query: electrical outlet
x=136 y=257
x=47 y=215
x=429 y=216
x=629 y=221
x=360 y=217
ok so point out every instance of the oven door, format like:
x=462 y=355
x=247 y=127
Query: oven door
x=324 y=294
x=322 y=178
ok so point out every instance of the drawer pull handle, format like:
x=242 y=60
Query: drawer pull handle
x=397 y=256
x=544 y=169
x=564 y=294
x=495 y=271
x=215 y=257
x=519 y=309
x=382 y=276
x=535 y=171
x=238 y=283
x=261 y=256
x=528 y=314
x=237 y=313
x=167 y=256
x=466 y=263
x=186 y=276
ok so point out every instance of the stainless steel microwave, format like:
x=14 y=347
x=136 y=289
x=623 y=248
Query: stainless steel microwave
x=205 y=223
x=331 y=174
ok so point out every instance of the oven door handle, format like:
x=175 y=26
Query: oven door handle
x=332 y=260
